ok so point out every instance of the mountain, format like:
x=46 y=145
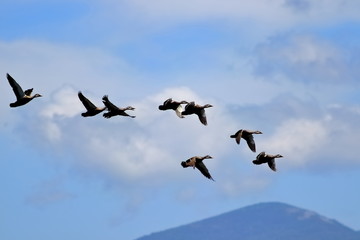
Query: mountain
x=263 y=221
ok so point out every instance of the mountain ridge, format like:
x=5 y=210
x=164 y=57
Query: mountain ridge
x=261 y=221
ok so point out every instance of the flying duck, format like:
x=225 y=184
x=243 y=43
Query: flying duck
x=192 y=108
x=92 y=110
x=174 y=105
x=248 y=136
x=267 y=158
x=114 y=110
x=197 y=162
x=22 y=97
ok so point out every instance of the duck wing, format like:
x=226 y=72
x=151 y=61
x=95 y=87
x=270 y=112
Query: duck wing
x=28 y=91
x=86 y=102
x=167 y=101
x=272 y=164
x=165 y=105
x=260 y=158
x=202 y=116
x=250 y=142
x=19 y=93
x=109 y=104
x=202 y=168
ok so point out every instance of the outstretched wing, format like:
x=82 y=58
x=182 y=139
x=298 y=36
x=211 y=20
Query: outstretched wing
x=202 y=116
x=28 y=91
x=272 y=164
x=167 y=101
x=165 y=105
x=250 y=142
x=109 y=104
x=260 y=155
x=19 y=93
x=86 y=102
x=260 y=158
x=202 y=168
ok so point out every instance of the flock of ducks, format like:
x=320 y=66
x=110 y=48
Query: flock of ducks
x=24 y=97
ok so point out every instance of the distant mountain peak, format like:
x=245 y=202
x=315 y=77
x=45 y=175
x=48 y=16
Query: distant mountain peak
x=298 y=213
x=261 y=221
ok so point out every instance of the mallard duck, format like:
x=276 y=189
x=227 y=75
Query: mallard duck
x=267 y=158
x=248 y=136
x=197 y=162
x=22 y=97
x=114 y=110
x=192 y=108
x=92 y=110
x=174 y=105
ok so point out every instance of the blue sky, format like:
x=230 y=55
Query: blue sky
x=286 y=67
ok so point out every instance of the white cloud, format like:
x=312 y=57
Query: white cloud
x=52 y=131
x=65 y=104
x=305 y=59
x=296 y=140
x=324 y=141
x=150 y=146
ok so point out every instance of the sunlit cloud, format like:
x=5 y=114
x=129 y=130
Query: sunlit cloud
x=296 y=139
x=66 y=104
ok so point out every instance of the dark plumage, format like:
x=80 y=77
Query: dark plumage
x=197 y=162
x=248 y=136
x=92 y=110
x=174 y=105
x=114 y=110
x=267 y=158
x=22 y=97
x=192 y=108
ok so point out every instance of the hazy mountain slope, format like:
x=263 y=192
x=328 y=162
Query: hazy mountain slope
x=264 y=221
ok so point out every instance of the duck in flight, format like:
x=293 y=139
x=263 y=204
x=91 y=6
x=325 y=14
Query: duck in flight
x=174 y=105
x=192 y=108
x=114 y=110
x=248 y=136
x=92 y=110
x=267 y=158
x=22 y=97
x=197 y=162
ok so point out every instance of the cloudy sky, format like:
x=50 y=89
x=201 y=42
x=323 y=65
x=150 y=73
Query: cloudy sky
x=289 y=68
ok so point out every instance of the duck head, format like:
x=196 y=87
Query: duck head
x=183 y=164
